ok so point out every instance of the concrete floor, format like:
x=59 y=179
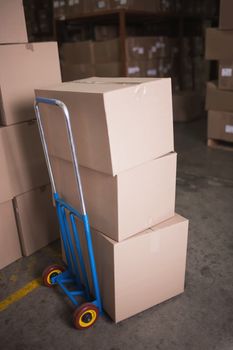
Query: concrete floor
x=200 y=319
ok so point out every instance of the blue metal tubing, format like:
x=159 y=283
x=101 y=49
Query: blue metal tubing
x=63 y=235
x=49 y=101
x=92 y=262
x=71 y=249
x=80 y=255
x=70 y=252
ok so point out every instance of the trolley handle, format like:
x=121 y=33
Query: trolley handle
x=60 y=104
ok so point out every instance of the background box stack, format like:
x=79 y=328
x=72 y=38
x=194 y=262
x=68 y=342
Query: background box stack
x=27 y=217
x=129 y=185
x=149 y=48
x=219 y=98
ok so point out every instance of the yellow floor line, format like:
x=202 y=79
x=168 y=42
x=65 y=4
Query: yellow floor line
x=19 y=294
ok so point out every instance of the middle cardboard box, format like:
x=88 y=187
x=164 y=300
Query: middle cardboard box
x=122 y=205
x=118 y=123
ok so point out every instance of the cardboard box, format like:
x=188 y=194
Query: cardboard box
x=112 y=69
x=106 y=51
x=23 y=164
x=9 y=240
x=225 y=76
x=225 y=17
x=137 y=111
x=12 y=22
x=24 y=67
x=142 y=271
x=80 y=52
x=136 y=68
x=91 y=52
x=71 y=71
x=147 y=48
x=125 y=204
x=220 y=125
x=219 y=44
x=36 y=219
x=187 y=106
x=135 y=48
x=218 y=100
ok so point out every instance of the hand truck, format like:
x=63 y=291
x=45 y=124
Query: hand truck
x=85 y=314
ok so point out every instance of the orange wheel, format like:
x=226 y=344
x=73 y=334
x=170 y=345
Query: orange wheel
x=85 y=316
x=49 y=272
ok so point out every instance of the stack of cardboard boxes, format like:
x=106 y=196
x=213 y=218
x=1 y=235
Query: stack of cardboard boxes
x=65 y=9
x=123 y=130
x=27 y=218
x=145 y=57
x=70 y=8
x=219 y=99
x=90 y=58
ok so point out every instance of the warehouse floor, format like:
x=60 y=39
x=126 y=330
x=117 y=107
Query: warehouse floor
x=200 y=319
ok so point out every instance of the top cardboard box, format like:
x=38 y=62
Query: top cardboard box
x=225 y=18
x=118 y=123
x=23 y=67
x=12 y=22
x=218 y=44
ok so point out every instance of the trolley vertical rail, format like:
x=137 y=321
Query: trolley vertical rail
x=85 y=314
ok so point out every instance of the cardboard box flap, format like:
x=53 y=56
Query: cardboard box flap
x=99 y=85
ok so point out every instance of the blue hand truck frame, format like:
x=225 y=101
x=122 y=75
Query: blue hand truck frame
x=76 y=273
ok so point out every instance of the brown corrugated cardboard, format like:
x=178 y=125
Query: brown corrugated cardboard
x=135 y=48
x=218 y=100
x=225 y=18
x=9 y=240
x=142 y=271
x=24 y=67
x=112 y=69
x=36 y=219
x=22 y=160
x=125 y=204
x=136 y=111
x=187 y=106
x=90 y=52
x=144 y=48
x=81 y=52
x=106 y=51
x=225 y=75
x=218 y=44
x=136 y=68
x=220 y=126
x=12 y=22
x=71 y=71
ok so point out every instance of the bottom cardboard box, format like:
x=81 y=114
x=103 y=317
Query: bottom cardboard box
x=220 y=125
x=141 y=271
x=36 y=219
x=187 y=106
x=10 y=249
